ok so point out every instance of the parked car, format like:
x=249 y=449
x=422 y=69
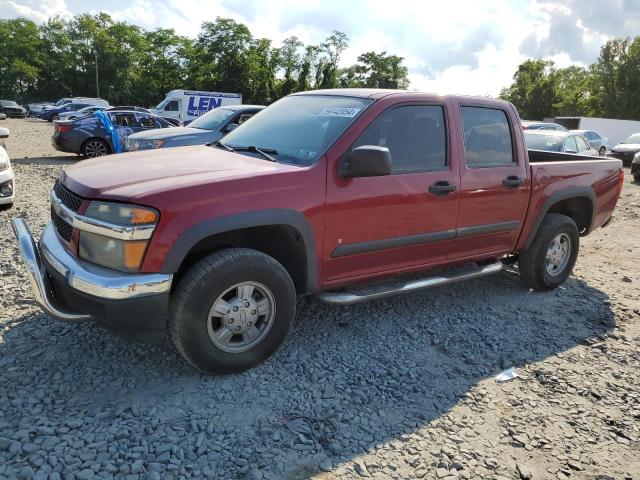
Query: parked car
x=318 y=193
x=82 y=112
x=7 y=177
x=597 y=141
x=627 y=149
x=74 y=104
x=208 y=128
x=532 y=125
x=12 y=110
x=635 y=167
x=173 y=121
x=34 y=109
x=556 y=141
x=88 y=137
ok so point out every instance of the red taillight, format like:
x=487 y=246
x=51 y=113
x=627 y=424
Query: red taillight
x=62 y=128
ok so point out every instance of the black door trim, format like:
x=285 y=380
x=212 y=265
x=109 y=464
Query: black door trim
x=394 y=242
x=421 y=238
x=489 y=228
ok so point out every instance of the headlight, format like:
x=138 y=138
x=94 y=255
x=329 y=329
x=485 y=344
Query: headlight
x=4 y=160
x=148 y=144
x=116 y=253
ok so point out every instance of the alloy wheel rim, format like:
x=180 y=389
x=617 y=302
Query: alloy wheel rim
x=558 y=254
x=95 y=149
x=241 y=317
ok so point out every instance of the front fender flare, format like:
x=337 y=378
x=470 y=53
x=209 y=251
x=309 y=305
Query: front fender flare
x=276 y=216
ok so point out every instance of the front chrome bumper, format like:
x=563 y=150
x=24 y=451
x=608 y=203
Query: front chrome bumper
x=81 y=276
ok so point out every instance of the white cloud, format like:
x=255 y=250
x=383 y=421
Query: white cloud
x=38 y=11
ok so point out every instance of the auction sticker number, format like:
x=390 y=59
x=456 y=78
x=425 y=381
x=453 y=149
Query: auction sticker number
x=348 y=112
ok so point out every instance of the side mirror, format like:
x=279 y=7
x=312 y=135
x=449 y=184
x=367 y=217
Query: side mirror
x=366 y=161
x=230 y=127
x=4 y=133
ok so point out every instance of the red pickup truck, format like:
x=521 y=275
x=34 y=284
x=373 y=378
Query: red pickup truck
x=347 y=195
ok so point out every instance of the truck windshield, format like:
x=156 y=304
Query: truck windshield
x=298 y=128
x=212 y=120
x=538 y=141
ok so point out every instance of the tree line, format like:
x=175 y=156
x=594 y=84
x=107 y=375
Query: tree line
x=138 y=66
x=609 y=88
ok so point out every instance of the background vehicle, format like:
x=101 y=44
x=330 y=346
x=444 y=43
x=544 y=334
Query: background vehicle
x=187 y=105
x=532 y=125
x=556 y=141
x=627 y=149
x=88 y=137
x=34 y=109
x=7 y=177
x=635 y=167
x=597 y=141
x=82 y=112
x=613 y=129
x=74 y=104
x=207 y=128
x=12 y=110
x=318 y=193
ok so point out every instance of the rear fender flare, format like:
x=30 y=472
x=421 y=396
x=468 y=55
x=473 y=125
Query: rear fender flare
x=576 y=192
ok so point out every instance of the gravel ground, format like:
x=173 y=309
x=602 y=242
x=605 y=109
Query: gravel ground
x=400 y=388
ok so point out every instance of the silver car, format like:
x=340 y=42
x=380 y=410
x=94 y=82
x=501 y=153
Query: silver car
x=83 y=112
x=208 y=128
x=597 y=141
x=557 y=141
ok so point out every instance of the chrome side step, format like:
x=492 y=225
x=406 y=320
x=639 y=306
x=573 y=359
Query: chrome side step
x=388 y=289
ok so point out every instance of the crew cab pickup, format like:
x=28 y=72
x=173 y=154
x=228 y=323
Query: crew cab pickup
x=348 y=195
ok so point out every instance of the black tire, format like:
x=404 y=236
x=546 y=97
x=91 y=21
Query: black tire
x=636 y=178
x=532 y=261
x=94 y=147
x=602 y=152
x=191 y=302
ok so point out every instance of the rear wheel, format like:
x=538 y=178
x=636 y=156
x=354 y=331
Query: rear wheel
x=94 y=147
x=232 y=310
x=548 y=261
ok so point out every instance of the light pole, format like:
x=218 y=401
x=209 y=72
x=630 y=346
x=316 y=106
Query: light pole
x=95 y=52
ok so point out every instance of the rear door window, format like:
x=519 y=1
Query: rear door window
x=124 y=120
x=570 y=144
x=487 y=137
x=582 y=145
x=147 y=122
x=415 y=136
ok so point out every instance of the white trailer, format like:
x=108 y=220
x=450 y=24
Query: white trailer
x=614 y=130
x=186 y=105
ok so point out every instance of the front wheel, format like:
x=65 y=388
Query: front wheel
x=232 y=310
x=548 y=261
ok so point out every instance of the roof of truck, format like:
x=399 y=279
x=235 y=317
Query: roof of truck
x=377 y=93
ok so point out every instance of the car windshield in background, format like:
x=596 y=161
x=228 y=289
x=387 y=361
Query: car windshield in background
x=212 y=120
x=8 y=103
x=299 y=128
x=635 y=138
x=549 y=143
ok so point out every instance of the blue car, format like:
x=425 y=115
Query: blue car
x=88 y=137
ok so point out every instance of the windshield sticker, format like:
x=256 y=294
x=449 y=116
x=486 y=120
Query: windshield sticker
x=348 y=112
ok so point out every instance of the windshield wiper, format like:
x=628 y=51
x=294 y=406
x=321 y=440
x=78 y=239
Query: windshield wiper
x=220 y=144
x=262 y=151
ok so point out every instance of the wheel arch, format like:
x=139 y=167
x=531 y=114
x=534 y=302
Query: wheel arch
x=577 y=203
x=286 y=235
x=84 y=142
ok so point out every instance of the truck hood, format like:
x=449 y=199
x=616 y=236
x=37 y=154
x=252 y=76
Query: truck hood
x=136 y=175
x=170 y=132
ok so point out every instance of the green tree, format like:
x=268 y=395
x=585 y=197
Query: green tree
x=21 y=58
x=532 y=91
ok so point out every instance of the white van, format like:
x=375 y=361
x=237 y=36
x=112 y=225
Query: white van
x=187 y=105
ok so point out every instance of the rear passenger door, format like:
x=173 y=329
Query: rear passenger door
x=494 y=190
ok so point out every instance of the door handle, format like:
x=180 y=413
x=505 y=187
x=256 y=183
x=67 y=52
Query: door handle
x=512 y=181
x=442 y=188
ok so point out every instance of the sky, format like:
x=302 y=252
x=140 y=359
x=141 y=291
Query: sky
x=449 y=46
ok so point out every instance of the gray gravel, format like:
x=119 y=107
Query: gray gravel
x=400 y=388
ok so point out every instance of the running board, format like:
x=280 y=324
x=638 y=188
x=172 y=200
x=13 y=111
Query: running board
x=387 y=289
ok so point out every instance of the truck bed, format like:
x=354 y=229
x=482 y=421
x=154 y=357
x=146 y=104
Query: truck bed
x=537 y=156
